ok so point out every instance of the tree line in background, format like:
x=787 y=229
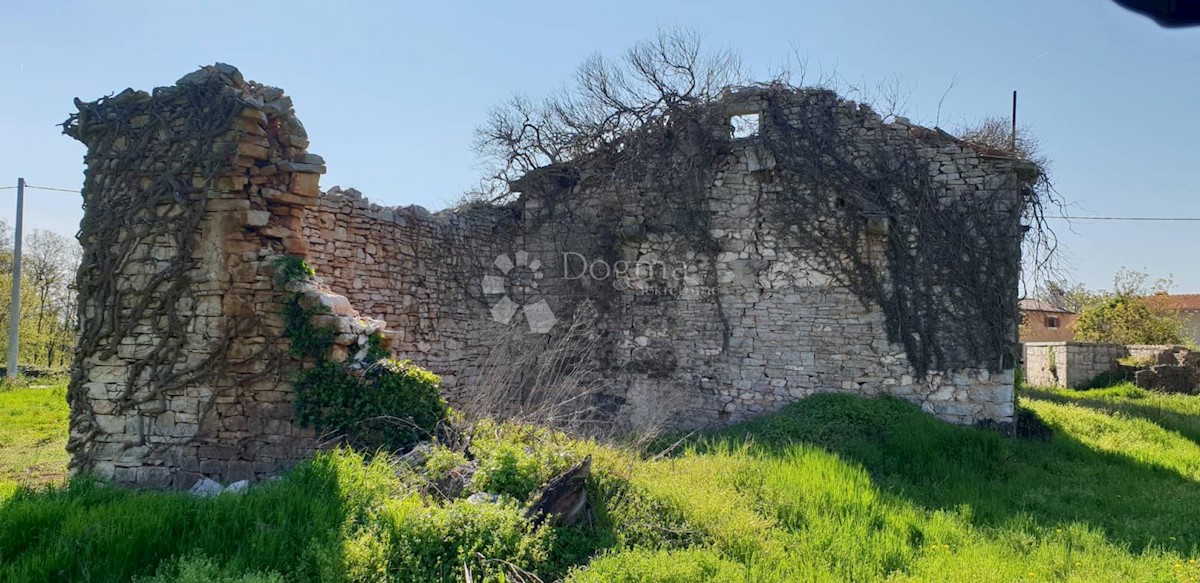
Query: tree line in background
x=47 y=316
x=1127 y=314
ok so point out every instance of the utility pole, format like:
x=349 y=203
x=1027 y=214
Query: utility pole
x=14 y=312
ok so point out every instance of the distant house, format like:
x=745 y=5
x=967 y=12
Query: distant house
x=1042 y=321
x=1186 y=306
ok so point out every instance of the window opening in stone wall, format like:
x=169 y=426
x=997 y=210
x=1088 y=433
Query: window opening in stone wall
x=744 y=126
x=1052 y=322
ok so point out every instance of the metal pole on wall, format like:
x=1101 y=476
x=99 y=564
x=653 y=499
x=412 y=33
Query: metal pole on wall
x=1013 y=137
x=14 y=312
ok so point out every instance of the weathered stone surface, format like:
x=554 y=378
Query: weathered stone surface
x=206 y=488
x=202 y=429
x=237 y=487
x=678 y=350
x=1079 y=364
x=1168 y=378
x=648 y=328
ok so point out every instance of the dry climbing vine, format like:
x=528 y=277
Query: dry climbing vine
x=151 y=159
x=950 y=260
x=862 y=210
x=669 y=164
x=650 y=130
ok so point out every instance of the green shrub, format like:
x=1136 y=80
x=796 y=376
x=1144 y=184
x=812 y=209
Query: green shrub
x=307 y=340
x=442 y=460
x=508 y=470
x=201 y=569
x=1128 y=319
x=290 y=268
x=404 y=403
x=323 y=395
x=1137 y=362
x=641 y=519
x=437 y=543
x=649 y=566
x=515 y=459
x=394 y=405
x=377 y=348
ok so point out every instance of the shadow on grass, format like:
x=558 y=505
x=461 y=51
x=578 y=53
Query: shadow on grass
x=1188 y=425
x=939 y=466
x=89 y=531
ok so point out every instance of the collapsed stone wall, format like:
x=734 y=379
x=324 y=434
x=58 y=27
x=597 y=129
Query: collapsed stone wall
x=1077 y=365
x=415 y=270
x=708 y=334
x=720 y=315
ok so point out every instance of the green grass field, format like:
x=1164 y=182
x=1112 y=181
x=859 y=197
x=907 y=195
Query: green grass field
x=834 y=488
x=33 y=433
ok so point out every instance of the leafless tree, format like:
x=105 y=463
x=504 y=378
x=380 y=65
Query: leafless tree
x=608 y=100
x=51 y=259
x=6 y=247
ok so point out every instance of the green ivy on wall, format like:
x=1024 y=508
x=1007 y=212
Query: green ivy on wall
x=386 y=404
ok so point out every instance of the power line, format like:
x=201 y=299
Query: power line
x=75 y=191
x=1126 y=218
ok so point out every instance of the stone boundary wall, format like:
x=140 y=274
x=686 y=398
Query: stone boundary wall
x=1076 y=364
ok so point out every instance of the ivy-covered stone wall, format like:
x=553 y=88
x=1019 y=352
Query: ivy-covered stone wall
x=890 y=267
x=192 y=193
x=825 y=250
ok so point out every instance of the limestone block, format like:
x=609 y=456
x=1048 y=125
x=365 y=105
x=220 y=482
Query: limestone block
x=258 y=218
x=306 y=184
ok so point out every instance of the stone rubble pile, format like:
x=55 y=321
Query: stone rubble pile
x=1177 y=370
x=353 y=332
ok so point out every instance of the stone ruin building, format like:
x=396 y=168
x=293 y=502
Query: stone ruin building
x=680 y=296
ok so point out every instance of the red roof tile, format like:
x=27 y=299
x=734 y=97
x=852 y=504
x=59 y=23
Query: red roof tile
x=1177 y=302
x=1032 y=305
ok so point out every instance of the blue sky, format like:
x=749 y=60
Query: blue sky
x=390 y=93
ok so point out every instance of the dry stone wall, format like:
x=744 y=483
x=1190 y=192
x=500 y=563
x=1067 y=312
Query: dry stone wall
x=638 y=306
x=1076 y=365
x=686 y=337
x=415 y=270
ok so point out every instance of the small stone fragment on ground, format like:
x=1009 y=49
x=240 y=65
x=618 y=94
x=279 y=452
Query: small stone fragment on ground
x=237 y=487
x=483 y=498
x=206 y=488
